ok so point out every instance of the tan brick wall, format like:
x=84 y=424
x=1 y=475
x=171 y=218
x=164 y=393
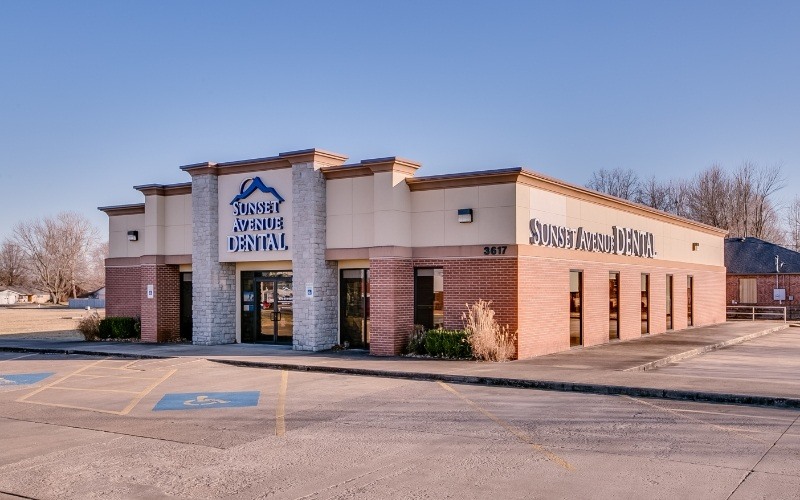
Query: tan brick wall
x=123 y=291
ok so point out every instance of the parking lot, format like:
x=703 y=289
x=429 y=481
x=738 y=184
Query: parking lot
x=88 y=427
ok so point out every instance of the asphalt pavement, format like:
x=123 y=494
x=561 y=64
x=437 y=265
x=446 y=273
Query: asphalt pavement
x=652 y=366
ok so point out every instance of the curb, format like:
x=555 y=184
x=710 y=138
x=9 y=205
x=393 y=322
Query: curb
x=545 y=385
x=81 y=352
x=702 y=350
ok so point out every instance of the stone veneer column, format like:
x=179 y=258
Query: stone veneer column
x=315 y=318
x=213 y=282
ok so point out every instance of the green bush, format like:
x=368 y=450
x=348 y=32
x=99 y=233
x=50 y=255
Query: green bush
x=119 y=328
x=448 y=344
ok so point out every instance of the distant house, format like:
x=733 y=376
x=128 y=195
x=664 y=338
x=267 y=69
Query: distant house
x=100 y=293
x=760 y=273
x=8 y=296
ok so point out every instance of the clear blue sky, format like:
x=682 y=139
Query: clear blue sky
x=98 y=96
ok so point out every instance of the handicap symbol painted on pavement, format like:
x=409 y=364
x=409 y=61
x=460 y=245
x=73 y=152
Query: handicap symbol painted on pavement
x=204 y=400
x=200 y=400
x=23 y=378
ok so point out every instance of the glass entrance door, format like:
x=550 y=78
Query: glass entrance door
x=267 y=311
x=354 y=307
x=276 y=318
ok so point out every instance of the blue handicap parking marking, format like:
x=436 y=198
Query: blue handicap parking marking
x=23 y=378
x=200 y=400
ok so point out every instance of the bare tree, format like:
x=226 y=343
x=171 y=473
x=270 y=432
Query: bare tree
x=768 y=181
x=57 y=250
x=13 y=271
x=792 y=222
x=655 y=194
x=741 y=203
x=617 y=182
x=709 y=198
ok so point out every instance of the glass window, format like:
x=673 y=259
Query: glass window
x=613 y=305
x=645 y=304
x=669 y=302
x=747 y=291
x=429 y=298
x=575 y=308
x=689 y=300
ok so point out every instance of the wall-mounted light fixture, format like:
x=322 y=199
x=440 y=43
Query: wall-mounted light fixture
x=465 y=215
x=133 y=235
x=695 y=246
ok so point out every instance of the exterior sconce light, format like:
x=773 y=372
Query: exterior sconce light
x=465 y=215
x=695 y=246
x=133 y=235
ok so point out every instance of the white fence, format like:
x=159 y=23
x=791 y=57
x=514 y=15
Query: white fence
x=84 y=303
x=753 y=313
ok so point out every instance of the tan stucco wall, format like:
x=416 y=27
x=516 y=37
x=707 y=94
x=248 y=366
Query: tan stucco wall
x=118 y=244
x=673 y=241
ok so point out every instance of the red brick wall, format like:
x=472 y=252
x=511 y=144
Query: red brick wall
x=161 y=314
x=123 y=291
x=465 y=281
x=544 y=302
x=765 y=285
x=391 y=305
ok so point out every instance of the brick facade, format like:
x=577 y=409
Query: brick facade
x=544 y=302
x=391 y=304
x=161 y=314
x=123 y=291
x=465 y=282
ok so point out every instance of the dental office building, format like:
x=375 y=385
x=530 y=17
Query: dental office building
x=306 y=249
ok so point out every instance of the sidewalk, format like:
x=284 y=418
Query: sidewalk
x=623 y=368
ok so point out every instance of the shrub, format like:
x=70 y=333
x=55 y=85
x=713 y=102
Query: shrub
x=448 y=344
x=416 y=343
x=489 y=340
x=89 y=326
x=119 y=328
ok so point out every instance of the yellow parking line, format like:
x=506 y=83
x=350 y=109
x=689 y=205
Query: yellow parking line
x=146 y=392
x=37 y=391
x=280 y=409
x=115 y=376
x=522 y=436
x=18 y=357
x=73 y=407
x=92 y=390
x=740 y=432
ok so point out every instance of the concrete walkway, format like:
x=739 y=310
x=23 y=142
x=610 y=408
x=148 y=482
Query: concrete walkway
x=624 y=368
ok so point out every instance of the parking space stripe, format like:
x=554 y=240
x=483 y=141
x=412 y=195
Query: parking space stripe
x=51 y=384
x=280 y=409
x=733 y=430
x=18 y=357
x=92 y=390
x=522 y=436
x=115 y=376
x=147 y=391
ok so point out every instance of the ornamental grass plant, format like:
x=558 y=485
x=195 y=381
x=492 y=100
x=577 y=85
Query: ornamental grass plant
x=489 y=340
